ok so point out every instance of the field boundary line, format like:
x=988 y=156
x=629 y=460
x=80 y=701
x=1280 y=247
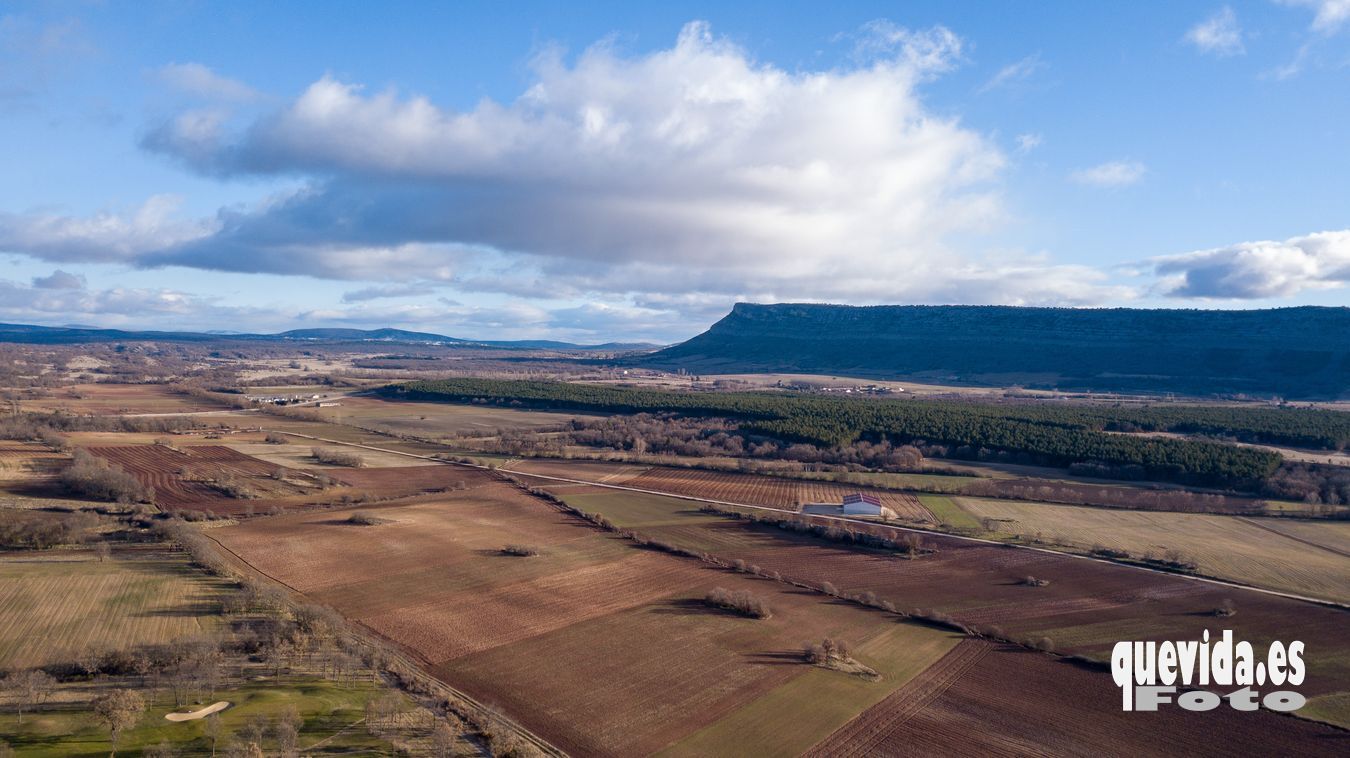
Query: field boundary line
x=846 y=520
x=1297 y=539
x=395 y=650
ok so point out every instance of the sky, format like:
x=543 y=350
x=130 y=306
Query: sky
x=627 y=171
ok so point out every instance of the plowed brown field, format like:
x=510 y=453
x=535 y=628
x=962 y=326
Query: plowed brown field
x=991 y=700
x=1086 y=608
x=158 y=466
x=601 y=647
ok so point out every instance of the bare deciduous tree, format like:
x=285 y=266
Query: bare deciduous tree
x=29 y=689
x=118 y=710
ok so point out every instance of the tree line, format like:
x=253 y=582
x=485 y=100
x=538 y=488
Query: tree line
x=1046 y=434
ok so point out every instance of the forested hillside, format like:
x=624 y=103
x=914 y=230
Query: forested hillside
x=1292 y=352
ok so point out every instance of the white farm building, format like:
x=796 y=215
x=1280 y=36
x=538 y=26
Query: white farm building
x=857 y=504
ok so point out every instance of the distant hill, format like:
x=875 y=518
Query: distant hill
x=365 y=335
x=1293 y=352
x=67 y=335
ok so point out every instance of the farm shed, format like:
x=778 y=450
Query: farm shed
x=856 y=504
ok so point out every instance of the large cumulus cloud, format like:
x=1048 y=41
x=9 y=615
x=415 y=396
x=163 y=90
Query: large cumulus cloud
x=692 y=169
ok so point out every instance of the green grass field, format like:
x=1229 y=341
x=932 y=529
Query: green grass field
x=329 y=711
x=948 y=512
x=790 y=719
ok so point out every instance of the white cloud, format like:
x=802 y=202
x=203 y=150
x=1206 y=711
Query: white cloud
x=1014 y=73
x=1028 y=142
x=1255 y=270
x=1328 y=15
x=1110 y=174
x=1219 y=34
x=687 y=167
x=200 y=81
x=105 y=237
x=68 y=300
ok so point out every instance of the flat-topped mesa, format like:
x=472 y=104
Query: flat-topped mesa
x=1299 y=352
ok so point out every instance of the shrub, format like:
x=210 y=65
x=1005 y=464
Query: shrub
x=828 y=650
x=1032 y=581
x=40 y=531
x=230 y=486
x=1226 y=609
x=738 y=601
x=96 y=478
x=273 y=438
x=329 y=457
x=361 y=518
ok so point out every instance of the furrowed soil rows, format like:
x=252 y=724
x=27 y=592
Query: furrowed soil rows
x=1014 y=703
x=403 y=481
x=590 y=471
x=161 y=467
x=870 y=733
x=753 y=489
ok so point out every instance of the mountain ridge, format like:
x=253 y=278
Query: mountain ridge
x=1297 y=352
x=35 y=334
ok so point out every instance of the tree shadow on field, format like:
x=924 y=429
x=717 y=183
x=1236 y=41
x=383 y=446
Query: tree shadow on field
x=186 y=610
x=693 y=607
x=777 y=658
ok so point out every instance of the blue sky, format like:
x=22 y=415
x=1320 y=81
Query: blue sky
x=627 y=171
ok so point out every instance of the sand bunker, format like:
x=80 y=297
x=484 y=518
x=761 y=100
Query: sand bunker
x=200 y=713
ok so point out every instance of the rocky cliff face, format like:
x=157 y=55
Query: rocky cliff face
x=1295 y=352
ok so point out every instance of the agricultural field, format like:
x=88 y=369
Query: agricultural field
x=119 y=399
x=750 y=489
x=788 y=720
x=588 y=471
x=437 y=419
x=989 y=699
x=55 y=605
x=27 y=468
x=300 y=454
x=1297 y=557
x=188 y=478
x=948 y=514
x=1084 y=607
x=522 y=632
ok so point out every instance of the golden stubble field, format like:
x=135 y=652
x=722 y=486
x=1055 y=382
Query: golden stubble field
x=56 y=605
x=1302 y=557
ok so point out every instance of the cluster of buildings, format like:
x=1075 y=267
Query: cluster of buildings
x=286 y=399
